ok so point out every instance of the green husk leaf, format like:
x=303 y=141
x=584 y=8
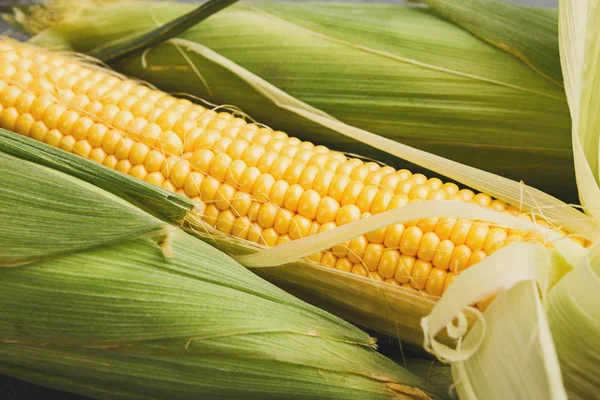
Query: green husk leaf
x=339 y=25
x=158 y=201
x=528 y=33
x=221 y=369
x=133 y=275
x=147 y=287
x=573 y=308
x=182 y=327
x=122 y=321
x=429 y=85
x=36 y=200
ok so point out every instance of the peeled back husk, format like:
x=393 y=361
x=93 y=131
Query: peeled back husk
x=400 y=72
x=93 y=306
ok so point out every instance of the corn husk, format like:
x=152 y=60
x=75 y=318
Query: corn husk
x=509 y=27
x=118 y=319
x=400 y=72
x=515 y=326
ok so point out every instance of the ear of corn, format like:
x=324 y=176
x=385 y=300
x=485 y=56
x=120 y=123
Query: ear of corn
x=429 y=85
x=252 y=183
x=121 y=321
x=255 y=184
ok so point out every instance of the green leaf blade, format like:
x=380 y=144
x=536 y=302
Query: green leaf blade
x=528 y=33
x=160 y=371
x=45 y=213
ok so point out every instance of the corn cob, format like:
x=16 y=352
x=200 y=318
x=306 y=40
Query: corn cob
x=250 y=181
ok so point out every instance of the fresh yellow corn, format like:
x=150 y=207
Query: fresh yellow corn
x=252 y=182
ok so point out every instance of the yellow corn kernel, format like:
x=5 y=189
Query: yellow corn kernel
x=435 y=281
x=388 y=263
